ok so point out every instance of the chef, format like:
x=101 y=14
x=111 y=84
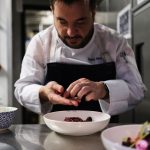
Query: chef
x=78 y=64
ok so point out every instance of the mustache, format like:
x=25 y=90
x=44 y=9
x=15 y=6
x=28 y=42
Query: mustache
x=73 y=37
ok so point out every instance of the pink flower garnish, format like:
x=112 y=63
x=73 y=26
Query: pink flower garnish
x=141 y=145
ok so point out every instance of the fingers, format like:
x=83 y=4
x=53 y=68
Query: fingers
x=58 y=99
x=77 y=86
x=84 y=92
x=66 y=94
x=57 y=95
x=56 y=87
x=81 y=88
x=85 y=88
x=90 y=96
x=75 y=92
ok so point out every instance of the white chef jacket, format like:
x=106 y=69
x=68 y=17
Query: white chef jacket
x=106 y=45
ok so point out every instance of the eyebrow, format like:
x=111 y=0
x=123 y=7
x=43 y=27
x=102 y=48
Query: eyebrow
x=79 y=19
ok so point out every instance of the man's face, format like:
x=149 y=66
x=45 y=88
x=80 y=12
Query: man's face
x=73 y=23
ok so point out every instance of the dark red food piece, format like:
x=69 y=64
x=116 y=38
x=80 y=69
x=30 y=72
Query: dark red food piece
x=88 y=119
x=77 y=119
x=128 y=142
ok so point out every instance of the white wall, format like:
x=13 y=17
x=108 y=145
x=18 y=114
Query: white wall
x=5 y=53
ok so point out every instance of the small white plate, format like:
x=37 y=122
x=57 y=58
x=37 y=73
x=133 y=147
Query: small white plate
x=113 y=137
x=55 y=121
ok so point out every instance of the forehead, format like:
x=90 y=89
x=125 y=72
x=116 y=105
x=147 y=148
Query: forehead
x=74 y=10
x=71 y=2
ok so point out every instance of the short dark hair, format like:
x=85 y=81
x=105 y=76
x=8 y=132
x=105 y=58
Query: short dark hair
x=92 y=3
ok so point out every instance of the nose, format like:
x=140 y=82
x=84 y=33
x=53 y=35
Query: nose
x=71 y=31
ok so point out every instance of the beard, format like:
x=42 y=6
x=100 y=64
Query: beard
x=73 y=42
x=77 y=41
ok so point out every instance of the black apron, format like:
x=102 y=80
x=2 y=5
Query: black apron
x=65 y=74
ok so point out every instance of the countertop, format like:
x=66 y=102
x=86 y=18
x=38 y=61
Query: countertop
x=40 y=137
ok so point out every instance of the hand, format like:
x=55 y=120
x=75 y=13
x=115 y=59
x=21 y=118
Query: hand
x=85 y=88
x=54 y=92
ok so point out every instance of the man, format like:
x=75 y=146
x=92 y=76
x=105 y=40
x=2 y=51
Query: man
x=78 y=64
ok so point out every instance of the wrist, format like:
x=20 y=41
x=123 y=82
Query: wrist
x=106 y=96
x=42 y=95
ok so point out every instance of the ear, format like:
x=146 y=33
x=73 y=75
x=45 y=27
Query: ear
x=51 y=8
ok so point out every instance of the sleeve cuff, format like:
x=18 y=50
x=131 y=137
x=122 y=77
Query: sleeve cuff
x=118 y=95
x=30 y=99
x=33 y=101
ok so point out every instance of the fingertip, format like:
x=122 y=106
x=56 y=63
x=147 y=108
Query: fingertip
x=61 y=89
x=66 y=94
x=89 y=100
x=75 y=103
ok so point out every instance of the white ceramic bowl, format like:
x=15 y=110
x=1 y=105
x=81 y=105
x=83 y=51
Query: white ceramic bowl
x=55 y=121
x=113 y=137
x=7 y=115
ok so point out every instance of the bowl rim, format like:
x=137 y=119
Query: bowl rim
x=8 y=107
x=66 y=122
x=121 y=126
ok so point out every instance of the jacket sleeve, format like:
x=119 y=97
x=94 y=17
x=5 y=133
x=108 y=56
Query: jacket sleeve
x=32 y=76
x=128 y=89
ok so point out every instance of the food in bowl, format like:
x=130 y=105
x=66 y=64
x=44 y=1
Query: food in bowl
x=77 y=119
x=141 y=141
x=7 y=115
